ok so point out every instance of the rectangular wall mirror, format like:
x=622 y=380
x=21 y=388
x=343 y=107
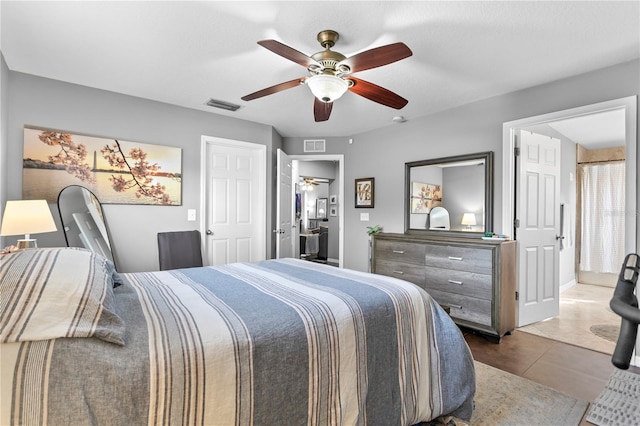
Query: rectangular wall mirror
x=450 y=195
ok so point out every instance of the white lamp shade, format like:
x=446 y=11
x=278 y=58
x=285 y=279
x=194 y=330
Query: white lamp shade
x=327 y=88
x=469 y=219
x=27 y=217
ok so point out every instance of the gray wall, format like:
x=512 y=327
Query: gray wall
x=58 y=105
x=4 y=138
x=474 y=127
x=568 y=198
x=467 y=183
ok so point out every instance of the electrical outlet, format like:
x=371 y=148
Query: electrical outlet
x=191 y=215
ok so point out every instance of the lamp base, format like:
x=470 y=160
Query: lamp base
x=27 y=243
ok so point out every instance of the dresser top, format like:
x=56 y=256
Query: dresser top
x=443 y=239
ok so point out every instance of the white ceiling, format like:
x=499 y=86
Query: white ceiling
x=185 y=53
x=595 y=131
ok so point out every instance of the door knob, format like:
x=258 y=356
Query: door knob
x=209 y=232
x=559 y=237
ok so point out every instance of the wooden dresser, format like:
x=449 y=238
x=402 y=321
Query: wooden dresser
x=475 y=278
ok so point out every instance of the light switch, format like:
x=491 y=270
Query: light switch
x=191 y=215
x=364 y=217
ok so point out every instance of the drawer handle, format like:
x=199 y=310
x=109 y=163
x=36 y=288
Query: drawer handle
x=398 y=251
x=455 y=306
x=454 y=258
x=398 y=272
x=455 y=282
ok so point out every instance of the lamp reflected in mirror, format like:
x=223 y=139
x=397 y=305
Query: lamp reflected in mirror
x=468 y=220
x=27 y=217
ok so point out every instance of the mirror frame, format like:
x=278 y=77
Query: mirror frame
x=104 y=221
x=487 y=156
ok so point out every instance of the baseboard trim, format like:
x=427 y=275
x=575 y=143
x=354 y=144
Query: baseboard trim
x=566 y=286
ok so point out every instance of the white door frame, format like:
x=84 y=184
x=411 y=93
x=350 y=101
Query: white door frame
x=261 y=201
x=631 y=190
x=509 y=130
x=340 y=159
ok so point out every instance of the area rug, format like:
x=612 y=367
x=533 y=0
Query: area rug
x=619 y=402
x=506 y=399
x=606 y=331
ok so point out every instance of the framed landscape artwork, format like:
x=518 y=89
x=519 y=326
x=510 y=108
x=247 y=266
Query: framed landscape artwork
x=117 y=171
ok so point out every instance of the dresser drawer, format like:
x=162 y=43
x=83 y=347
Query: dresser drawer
x=405 y=271
x=464 y=307
x=460 y=282
x=400 y=251
x=459 y=258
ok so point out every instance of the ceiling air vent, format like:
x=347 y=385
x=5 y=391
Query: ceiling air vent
x=314 y=145
x=222 y=105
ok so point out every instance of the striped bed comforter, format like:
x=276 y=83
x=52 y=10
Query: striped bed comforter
x=283 y=342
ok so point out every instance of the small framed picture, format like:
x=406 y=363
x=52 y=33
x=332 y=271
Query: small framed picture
x=333 y=199
x=365 y=192
x=333 y=211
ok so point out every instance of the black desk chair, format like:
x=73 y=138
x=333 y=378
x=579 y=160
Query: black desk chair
x=179 y=249
x=625 y=304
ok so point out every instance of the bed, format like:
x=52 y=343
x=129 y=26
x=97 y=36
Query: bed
x=272 y=343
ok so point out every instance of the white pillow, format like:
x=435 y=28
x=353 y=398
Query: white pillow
x=57 y=292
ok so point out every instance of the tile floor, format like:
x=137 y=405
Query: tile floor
x=581 y=306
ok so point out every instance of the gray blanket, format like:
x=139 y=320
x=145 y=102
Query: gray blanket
x=283 y=342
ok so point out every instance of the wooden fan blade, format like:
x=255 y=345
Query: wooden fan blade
x=377 y=94
x=288 y=52
x=321 y=110
x=377 y=57
x=274 y=89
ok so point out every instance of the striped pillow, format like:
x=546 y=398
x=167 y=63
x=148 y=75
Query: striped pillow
x=57 y=292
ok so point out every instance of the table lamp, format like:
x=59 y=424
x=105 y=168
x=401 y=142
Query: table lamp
x=468 y=219
x=27 y=217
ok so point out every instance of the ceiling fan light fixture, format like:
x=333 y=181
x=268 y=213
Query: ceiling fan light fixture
x=327 y=88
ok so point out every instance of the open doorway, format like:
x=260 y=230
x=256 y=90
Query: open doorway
x=576 y=126
x=318 y=218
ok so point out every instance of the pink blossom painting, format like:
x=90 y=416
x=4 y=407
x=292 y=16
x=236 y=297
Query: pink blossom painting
x=117 y=171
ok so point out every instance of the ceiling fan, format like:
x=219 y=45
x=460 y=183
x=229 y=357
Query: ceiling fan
x=308 y=183
x=330 y=73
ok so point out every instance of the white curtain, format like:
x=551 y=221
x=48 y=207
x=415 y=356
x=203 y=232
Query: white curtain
x=603 y=215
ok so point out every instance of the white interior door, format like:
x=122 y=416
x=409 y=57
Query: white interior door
x=234 y=216
x=538 y=213
x=284 y=210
